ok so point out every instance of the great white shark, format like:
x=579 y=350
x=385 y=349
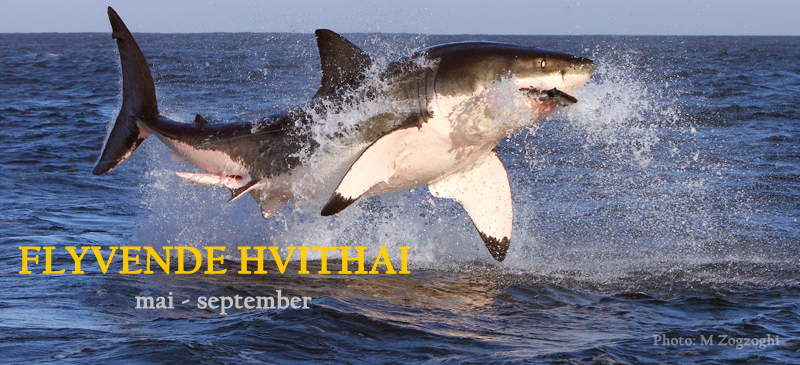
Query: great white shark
x=439 y=127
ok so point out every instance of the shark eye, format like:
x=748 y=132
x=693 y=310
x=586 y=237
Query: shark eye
x=544 y=63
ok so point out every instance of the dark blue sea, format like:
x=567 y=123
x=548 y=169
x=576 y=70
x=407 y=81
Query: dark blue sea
x=659 y=212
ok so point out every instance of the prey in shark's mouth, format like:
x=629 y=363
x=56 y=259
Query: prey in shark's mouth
x=437 y=128
x=552 y=96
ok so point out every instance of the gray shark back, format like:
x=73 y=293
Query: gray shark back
x=269 y=146
x=258 y=142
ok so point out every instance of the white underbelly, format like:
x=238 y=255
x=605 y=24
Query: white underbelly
x=433 y=151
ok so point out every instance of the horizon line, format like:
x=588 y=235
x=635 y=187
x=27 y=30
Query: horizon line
x=437 y=34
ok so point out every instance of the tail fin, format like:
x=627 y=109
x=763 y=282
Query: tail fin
x=138 y=100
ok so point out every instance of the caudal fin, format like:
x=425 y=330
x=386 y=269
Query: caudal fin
x=138 y=100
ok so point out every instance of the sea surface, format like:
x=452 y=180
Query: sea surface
x=663 y=206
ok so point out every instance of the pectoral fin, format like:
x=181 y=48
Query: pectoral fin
x=375 y=165
x=485 y=194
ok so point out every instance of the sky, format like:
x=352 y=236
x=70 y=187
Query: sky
x=624 y=17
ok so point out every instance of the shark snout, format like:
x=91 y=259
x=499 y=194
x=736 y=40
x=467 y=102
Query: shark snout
x=576 y=74
x=582 y=65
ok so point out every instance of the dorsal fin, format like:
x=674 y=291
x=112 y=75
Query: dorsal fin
x=343 y=63
x=199 y=120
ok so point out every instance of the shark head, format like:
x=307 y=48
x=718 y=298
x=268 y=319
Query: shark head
x=468 y=76
x=465 y=68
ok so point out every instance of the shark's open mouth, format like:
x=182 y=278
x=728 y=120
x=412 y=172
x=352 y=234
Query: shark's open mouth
x=554 y=96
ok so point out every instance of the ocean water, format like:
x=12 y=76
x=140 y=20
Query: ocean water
x=658 y=212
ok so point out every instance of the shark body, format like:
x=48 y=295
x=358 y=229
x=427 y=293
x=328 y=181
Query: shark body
x=438 y=127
